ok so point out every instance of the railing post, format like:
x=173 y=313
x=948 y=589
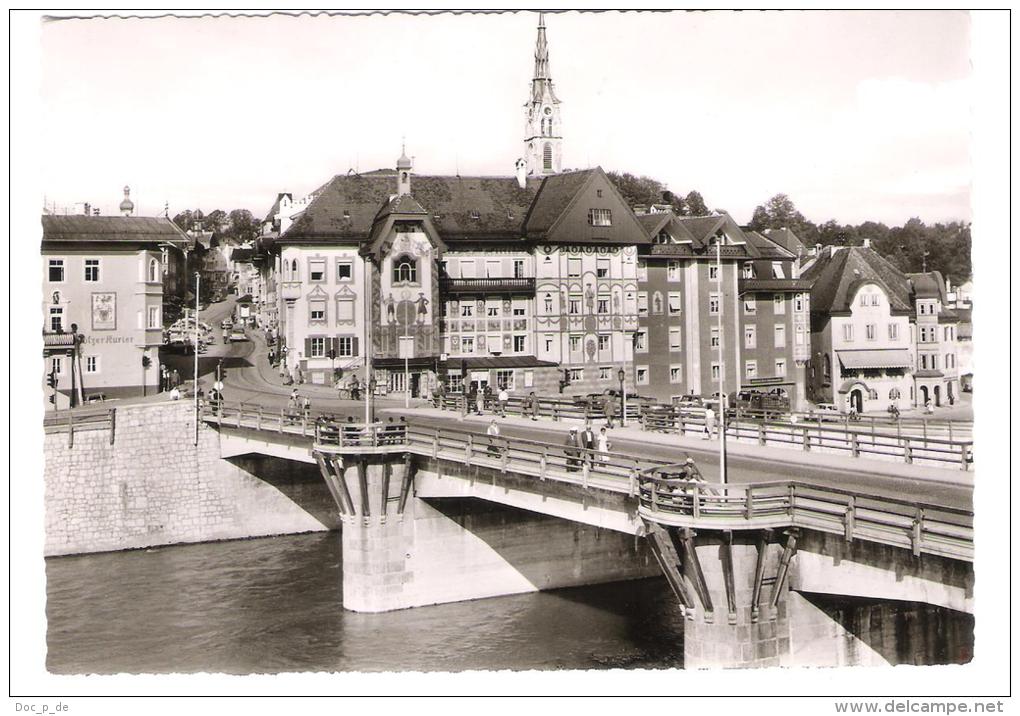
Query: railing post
x=917 y=532
x=950 y=430
x=113 y=424
x=543 y=463
x=807 y=438
x=854 y=447
x=505 y=457
x=281 y=420
x=70 y=430
x=258 y=418
x=791 y=497
x=632 y=482
x=683 y=423
x=304 y=424
x=964 y=457
x=748 y=502
x=555 y=413
x=696 y=496
x=908 y=452
x=585 y=467
x=435 y=444
x=761 y=433
x=469 y=449
x=924 y=425
x=849 y=519
x=655 y=495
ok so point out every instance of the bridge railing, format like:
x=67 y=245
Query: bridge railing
x=844 y=437
x=565 y=408
x=917 y=526
x=321 y=426
x=78 y=419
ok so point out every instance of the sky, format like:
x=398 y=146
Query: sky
x=856 y=116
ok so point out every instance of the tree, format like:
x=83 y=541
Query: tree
x=243 y=225
x=695 y=204
x=779 y=212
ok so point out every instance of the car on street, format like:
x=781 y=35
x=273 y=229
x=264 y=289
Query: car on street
x=238 y=334
x=826 y=412
x=226 y=324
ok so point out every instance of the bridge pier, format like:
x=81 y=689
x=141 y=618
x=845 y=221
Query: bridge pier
x=401 y=551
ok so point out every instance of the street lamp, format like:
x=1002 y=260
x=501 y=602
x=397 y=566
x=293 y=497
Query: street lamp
x=622 y=375
x=198 y=285
x=722 y=396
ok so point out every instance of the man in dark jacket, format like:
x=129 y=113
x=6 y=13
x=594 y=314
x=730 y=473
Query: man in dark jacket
x=588 y=442
x=572 y=450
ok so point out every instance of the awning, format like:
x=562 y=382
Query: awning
x=482 y=363
x=875 y=358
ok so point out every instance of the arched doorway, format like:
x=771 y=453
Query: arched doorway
x=924 y=395
x=937 y=392
x=857 y=400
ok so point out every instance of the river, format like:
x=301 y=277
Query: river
x=273 y=605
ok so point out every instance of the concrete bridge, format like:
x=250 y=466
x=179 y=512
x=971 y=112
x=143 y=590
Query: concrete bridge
x=425 y=521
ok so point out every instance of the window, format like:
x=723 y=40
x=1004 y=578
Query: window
x=600 y=217
x=603 y=303
x=676 y=374
x=641 y=341
x=675 y=300
x=518 y=268
x=750 y=369
x=750 y=306
x=674 y=339
x=467 y=310
x=57 y=365
x=345 y=346
x=56 y=270
x=642 y=270
x=467 y=344
x=91 y=364
x=505 y=378
x=798 y=302
x=575 y=374
x=864 y=299
x=605 y=373
x=317 y=270
x=872 y=394
x=894 y=394
x=778 y=304
x=317 y=347
x=748 y=271
x=799 y=338
x=548 y=303
x=475 y=215
x=780 y=367
x=56 y=319
x=642 y=303
x=662 y=237
x=716 y=338
x=894 y=332
x=574 y=304
x=601 y=268
x=870 y=331
x=848 y=332
x=750 y=337
x=92 y=271
x=715 y=371
x=641 y=374
x=492 y=311
x=519 y=310
x=345 y=310
x=493 y=268
x=713 y=304
x=603 y=342
x=713 y=273
x=547 y=157
x=777 y=270
x=573 y=268
x=153 y=270
x=672 y=270
x=780 y=336
x=344 y=271
x=153 y=317
x=467 y=268
x=405 y=270
x=317 y=310
x=574 y=342
x=875 y=299
x=519 y=344
x=548 y=344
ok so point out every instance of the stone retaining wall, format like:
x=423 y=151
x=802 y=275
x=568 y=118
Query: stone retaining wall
x=154 y=486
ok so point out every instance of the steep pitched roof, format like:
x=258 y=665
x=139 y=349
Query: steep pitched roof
x=928 y=285
x=242 y=255
x=767 y=248
x=837 y=273
x=127 y=229
x=787 y=239
x=553 y=198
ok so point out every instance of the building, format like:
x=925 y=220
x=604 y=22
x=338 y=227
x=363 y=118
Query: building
x=104 y=279
x=935 y=329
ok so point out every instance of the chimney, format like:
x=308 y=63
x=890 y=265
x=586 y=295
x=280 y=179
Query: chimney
x=521 y=171
x=867 y=243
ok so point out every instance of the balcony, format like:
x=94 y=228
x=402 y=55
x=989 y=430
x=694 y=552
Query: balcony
x=458 y=286
x=291 y=290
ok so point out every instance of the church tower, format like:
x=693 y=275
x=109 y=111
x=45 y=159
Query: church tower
x=543 y=140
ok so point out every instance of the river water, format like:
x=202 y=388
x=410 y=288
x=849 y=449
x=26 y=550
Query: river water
x=273 y=605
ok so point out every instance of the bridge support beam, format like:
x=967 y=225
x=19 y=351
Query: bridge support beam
x=410 y=551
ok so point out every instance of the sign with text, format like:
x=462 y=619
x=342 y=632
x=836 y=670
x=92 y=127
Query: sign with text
x=406 y=347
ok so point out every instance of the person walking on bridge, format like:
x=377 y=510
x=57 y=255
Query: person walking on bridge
x=531 y=405
x=573 y=451
x=493 y=432
x=588 y=442
x=604 y=446
x=504 y=398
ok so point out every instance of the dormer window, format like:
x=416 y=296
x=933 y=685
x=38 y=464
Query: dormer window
x=405 y=270
x=347 y=213
x=600 y=217
x=662 y=238
x=748 y=270
x=475 y=215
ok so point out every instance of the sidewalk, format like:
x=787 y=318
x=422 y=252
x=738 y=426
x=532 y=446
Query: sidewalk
x=774 y=455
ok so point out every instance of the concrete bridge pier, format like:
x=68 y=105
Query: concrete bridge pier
x=402 y=551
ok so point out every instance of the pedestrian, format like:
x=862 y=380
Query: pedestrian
x=588 y=442
x=272 y=357
x=306 y=406
x=709 y=423
x=480 y=401
x=504 y=398
x=928 y=408
x=607 y=409
x=493 y=432
x=572 y=450
x=175 y=393
x=487 y=393
x=164 y=379
x=531 y=405
x=604 y=446
x=440 y=395
x=175 y=379
x=293 y=405
x=299 y=375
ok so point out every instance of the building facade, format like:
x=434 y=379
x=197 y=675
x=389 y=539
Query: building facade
x=104 y=279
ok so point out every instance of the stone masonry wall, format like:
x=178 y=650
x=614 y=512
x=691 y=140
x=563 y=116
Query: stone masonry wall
x=153 y=486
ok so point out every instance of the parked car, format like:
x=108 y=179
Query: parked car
x=826 y=411
x=689 y=401
x=238 y=334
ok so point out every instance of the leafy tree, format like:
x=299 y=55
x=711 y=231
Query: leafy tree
x=695 y=204
x=779 y=212
x=243 y=225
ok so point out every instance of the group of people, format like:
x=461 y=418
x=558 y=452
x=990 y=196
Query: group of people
x=298 y=405
x=478 y=401
x=595 y=447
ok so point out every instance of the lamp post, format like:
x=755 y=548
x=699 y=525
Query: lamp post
x=198 y=285
x=622 y=375
x=722 y=396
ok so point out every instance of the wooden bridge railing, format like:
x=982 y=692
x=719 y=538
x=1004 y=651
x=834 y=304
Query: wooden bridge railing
x=78 y=419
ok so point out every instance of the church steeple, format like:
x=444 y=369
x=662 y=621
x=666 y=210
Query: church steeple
x=542 y=134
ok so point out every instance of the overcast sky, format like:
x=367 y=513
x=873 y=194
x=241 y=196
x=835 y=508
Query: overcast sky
x=854 y=115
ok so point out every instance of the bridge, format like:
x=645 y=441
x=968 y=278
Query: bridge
x=744 y=559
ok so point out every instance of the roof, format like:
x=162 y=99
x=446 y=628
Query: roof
x=554 y=195
x=127 y=229
x=774 y=284
x=768 y=248
x=837 y=273
x=347 y=206
x=242 y=255
x=479 y=363
x=787 y=239
x=875 y=358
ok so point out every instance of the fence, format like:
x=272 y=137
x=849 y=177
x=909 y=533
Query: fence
x=919 y=527
x=320 y=426
x=543 y=407
x=844 y=437
x=70 y=421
